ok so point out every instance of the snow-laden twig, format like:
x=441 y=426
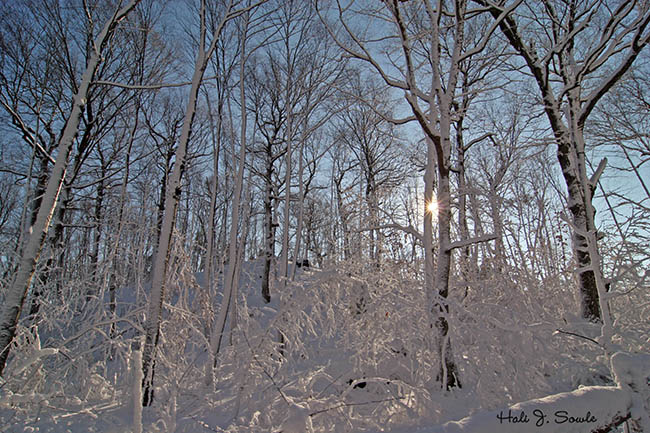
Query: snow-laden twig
x=475 y=240
x=259 y=364
x=156 y=86
x=406 y=229
x=34 y=356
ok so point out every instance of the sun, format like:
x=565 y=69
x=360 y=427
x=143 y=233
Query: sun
x=432 y=207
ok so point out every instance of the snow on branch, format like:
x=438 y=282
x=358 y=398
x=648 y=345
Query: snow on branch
x=599 y=171
x=470 y=241
x=157 y=86
x=29 y=134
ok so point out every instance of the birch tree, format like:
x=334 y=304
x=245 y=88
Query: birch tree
x=17 y=291
x=270 y=119
x=576 y=52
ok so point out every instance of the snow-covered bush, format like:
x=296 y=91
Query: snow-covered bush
x=347 y=349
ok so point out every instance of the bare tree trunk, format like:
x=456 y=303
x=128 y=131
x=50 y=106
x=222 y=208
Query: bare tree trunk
x=301 y=211
x=429 y=176
x=572 y=161
x=229 y=286
x=497 y=221
x=463 y=227
x=173 y=195
x=112 y=277
x=284 y=258
x=343 y=216
x=164 y=183
x=214 y=187
x=240 y=254
x=39 y=191
x=269 y=231
x=17 y=291
x=448 y=373
x=221 y=238
x=94 y=255
x=373 y=205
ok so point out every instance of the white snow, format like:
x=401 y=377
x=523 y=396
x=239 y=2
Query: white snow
x=298 y=420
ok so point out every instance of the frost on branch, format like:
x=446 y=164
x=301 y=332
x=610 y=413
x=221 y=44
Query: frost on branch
x=27 y=357
x=32 y=355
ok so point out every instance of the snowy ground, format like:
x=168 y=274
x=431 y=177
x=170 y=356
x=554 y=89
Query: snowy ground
x=354 y=356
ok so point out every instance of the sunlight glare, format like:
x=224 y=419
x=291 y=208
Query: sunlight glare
x=432 y=207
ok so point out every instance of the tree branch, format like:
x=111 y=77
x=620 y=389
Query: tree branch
x=147 y=86
x=466 y=242
x=410 y=230
x=599 y=171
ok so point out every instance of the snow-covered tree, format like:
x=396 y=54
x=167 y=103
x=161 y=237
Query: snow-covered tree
x=576 y=52
x=419 y=53
x=26 y=266
x=207 y=42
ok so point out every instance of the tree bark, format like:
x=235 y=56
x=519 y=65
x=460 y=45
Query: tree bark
x=448 y=373
x=269 y=228
x=214 y=187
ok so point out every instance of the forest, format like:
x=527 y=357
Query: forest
x=304 y=216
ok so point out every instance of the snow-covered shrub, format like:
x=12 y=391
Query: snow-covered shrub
x=345 y=344
x=346 y=349
x=24 y=381
x=352 y=345
x=507 y=341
